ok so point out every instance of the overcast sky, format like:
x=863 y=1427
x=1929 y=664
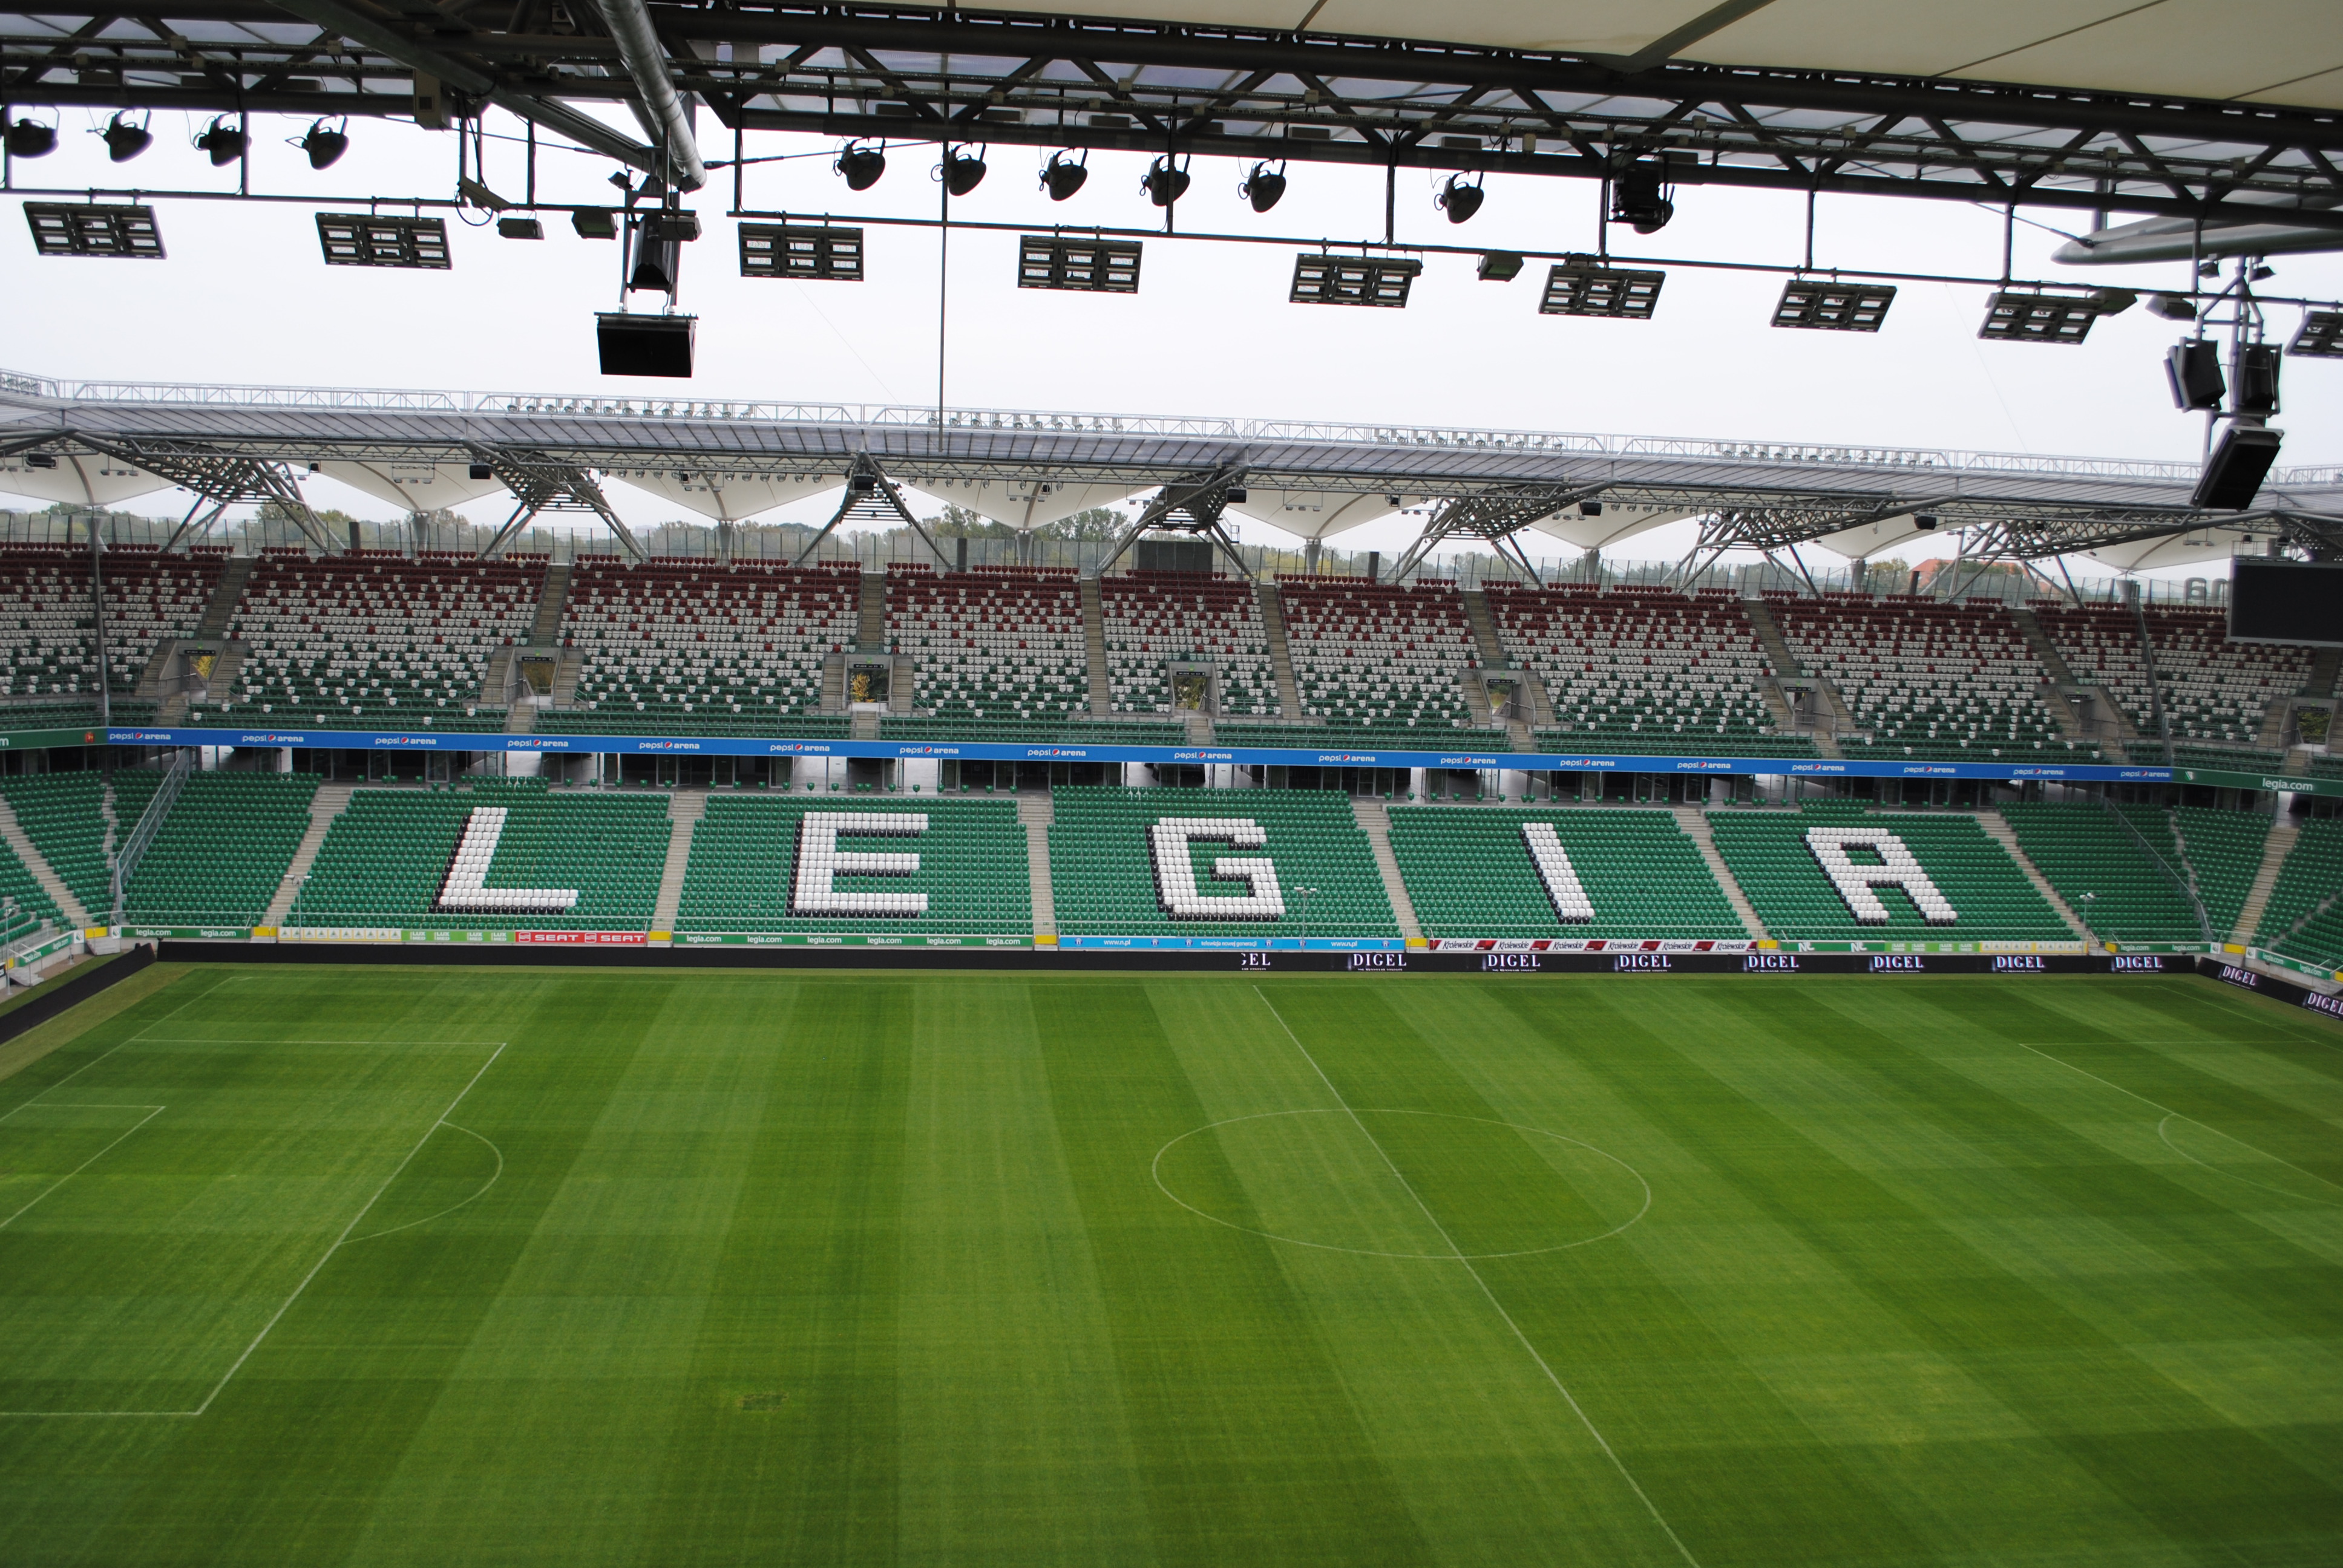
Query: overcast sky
x=244 y=298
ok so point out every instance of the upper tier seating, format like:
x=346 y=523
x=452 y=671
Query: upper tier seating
x=64 y=815
x=1151 y=618
x=151 y=597
x=2313 y=873
x=1470 y=874
x=1102 y=871
x=1372 y=656
x=992 y=643
x=1640 y=670
x=1922 y=676
x=2225 y=851
x=2083 y=849
x=2233 y=758
x=222 y=852
x=50 y=676
x=693 y=648
x=386 y=857
x=973 y=869
x=373 y=638
x=1769 y=856
x=2213 y=689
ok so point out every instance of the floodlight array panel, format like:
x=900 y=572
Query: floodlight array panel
x=1601 y=291
x=1352 y=280
x=1834 y=306
x=62 y=229
x=361 y=239
x=2029 y=315
x=2321 y=336
x=815 y=253
x=1079 y=266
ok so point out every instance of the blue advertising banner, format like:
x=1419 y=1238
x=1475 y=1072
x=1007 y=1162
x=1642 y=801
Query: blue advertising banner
x=1244 y=756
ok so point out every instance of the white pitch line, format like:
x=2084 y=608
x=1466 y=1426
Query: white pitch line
x=2170 y=1114
x=1459 y=1256
x=152 y=1112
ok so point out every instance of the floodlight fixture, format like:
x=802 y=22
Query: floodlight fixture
x=2050 y=315
x=811 y=252
x=1458 y=200
x=1642 y=196
x=1821 y=307
x=31 y=139
x=646 y=344
x=2193 y=370
x=520 y=228
x=369 y=240
x=2321 y=336
x=324 y=144
x=1586 y=287
x=1062 y=179
x=594 y=223
x=962 y=170
x=862 y=166
x=2172 y=307
x=2262 y=272
x=124 y=141
x=1265 y=187
x=482 y=471
x=2253 y=380
x=1078 y=265
x=1499 y=266
x=2233 y=475
x=1379 y=280
x=223 y=142
x=1165 y=181
x=74 y=229
x=1590 y=509
x=1924 y=521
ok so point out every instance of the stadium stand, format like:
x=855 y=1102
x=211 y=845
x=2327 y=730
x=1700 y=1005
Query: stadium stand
x=742 y=876
x=1470 y=873
x=51 y=675
x=1770 y=856
x=2224 y=849
x=222 y=852
x=1070 y=732
x=1636 y=669
x=2084 y=850
x=372 y=637
x=388 y=856
x=1103 y=876
x=2235 y=758
x=997 y=644
x=1151 y=618
x=2327 y=768
x=1371 y=655
x=2213 y=689
x=1922 y=678
x=696 y=649
x=150 y=597
x=2312 y=877
x=64 y=815
x=33 y=901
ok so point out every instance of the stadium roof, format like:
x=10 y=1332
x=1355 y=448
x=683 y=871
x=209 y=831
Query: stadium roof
x=238 y=444
x=2179 y=108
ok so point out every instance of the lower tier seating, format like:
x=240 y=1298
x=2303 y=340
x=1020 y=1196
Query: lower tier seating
x=2312 y=875
x=2235 y=759
x=2224 y=849
x=64 y=815
x=222 y=852
x=388 y=856
x=1105 y=882
x=2104 y=874
x=1471 y=873
x=973 y=869
x=33 y=902
x=1771 y=859
x=1671 y=743
x=1070 y=732
x=615 y=720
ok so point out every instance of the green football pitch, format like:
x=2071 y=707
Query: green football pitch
x=309 y=1265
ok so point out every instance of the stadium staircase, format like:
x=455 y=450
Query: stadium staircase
x=1199 y=726
x=871 y=626
x=2057 y=696
x=1787 y=668
x=1281 y=653
x=1034 y=813
x=2275 y=850
x=63 y=817
x=1094 y=641
x=1537 y=711
x=323 y=807
x=2323 y=670
x=1375 y=820
x=2223 y=851
x=684 y=810
x=1694 y=820
x=38 y=865
x=550 y=603
x=1999 y=832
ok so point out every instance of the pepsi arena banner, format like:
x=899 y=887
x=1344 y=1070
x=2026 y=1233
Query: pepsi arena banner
x=2001 y=772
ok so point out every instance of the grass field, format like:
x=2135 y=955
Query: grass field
x=318 y=1266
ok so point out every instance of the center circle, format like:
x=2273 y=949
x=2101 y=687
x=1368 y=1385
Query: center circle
x=1427 y=1185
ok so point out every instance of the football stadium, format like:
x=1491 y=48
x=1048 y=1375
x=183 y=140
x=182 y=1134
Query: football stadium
x=689 y=972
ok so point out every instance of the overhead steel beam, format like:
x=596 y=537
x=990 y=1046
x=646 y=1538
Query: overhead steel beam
x=345 y=19
x=223 y=480
x=541 y=482
x=871 y=495
x=1494 y=515
x=1191 y=505
x=646 y=63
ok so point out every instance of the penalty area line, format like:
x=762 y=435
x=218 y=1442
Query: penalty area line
x=1459 y=1256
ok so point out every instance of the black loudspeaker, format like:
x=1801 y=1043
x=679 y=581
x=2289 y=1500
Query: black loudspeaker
x=646 y=344
x=2234 y=475
x=2253 y=375
x=2194 y=369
